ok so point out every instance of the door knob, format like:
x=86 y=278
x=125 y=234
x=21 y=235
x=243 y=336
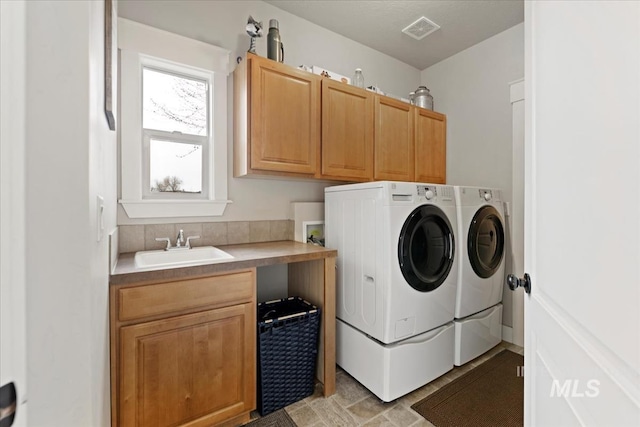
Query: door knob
x=8 y=404
x=514 y=282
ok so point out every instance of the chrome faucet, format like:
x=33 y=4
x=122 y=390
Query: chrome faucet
x=188 y=244
x=164 y=239
x=180 y=242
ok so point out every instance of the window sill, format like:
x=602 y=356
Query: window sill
x=173 y=208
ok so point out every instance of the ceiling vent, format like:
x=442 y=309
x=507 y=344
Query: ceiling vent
x=421 y=28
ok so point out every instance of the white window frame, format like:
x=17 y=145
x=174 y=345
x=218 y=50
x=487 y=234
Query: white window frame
x=204 y=142
x=143 y=46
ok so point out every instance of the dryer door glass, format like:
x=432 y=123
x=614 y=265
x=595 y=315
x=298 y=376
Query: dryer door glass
x=426 y=248
x=485 y=244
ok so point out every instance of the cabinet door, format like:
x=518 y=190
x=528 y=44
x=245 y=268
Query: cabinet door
x=285 y=117
x=197 y=369
x=394 y=145
x=347 y=132
x=431 y=147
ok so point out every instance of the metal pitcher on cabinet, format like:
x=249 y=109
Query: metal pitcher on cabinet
x=422 y=98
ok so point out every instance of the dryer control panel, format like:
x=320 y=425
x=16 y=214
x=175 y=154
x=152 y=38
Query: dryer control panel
x=490 y=195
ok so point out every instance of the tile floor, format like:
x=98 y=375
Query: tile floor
x=354 y=405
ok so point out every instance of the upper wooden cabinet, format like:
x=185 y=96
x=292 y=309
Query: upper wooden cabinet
x=277 y=119
x=410 y=143
x=394 y=140
x=347 y=132
x=289 y=122
x=431 y=146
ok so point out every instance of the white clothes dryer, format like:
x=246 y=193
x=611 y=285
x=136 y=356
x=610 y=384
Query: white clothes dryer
x=395 y=282
x=481 y=253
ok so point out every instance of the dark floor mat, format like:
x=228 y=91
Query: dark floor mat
x=491 y=394
x=279 y=418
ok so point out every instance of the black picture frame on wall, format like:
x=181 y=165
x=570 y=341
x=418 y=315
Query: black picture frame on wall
x=110 y=61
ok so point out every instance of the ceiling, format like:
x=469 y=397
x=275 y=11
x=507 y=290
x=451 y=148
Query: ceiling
x=379 y=24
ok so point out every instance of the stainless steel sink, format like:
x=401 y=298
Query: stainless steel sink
x=180 y=257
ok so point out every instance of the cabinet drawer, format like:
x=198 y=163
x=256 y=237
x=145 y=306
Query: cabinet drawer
x=165 y=298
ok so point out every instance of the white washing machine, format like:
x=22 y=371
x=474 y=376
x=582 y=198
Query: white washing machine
x=481 y=257
x=395 y=282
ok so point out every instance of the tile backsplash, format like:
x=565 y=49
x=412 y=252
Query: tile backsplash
x=133 y=238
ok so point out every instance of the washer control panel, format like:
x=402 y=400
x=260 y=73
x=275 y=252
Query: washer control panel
x=487 y=195
x=428 y=191
x=441 y=193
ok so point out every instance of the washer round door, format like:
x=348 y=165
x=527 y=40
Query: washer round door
x=485 y=244
x=426 y=248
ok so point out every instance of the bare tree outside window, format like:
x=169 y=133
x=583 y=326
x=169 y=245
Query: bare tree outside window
x=169 y=183
x=174 y=167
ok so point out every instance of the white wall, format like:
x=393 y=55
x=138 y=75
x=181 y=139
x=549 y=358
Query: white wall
x=70 y=159
x=222 y=23
x=472 y=89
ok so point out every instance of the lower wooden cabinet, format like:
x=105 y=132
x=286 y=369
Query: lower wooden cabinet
x=187 y=368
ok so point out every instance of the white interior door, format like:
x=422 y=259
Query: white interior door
x=12 y=208
x=582 y=213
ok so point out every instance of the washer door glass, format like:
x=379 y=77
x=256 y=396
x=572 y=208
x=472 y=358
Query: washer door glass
x=426 y=248
x=485 y=244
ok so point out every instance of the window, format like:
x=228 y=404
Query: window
x=173 y=130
